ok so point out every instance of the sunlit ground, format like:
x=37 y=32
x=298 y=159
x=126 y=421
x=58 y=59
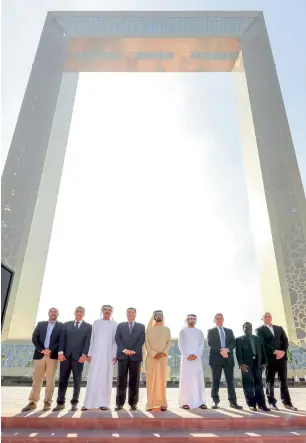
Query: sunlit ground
x=153 y=210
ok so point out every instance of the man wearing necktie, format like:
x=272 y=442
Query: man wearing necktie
x=252 y=358
x=130 y=338
x=73 y=350
x=222 y=344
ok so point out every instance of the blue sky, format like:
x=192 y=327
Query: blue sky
x=190 y=239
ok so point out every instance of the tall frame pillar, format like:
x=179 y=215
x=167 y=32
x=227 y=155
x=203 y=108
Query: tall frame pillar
x=276 y=197
x=31 y=177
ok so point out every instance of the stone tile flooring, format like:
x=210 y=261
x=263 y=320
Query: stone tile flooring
x=15 y=398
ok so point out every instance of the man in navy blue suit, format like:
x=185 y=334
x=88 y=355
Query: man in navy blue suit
x=130 y=338
x=222 y=343
x=46 y=337
x=72 y=353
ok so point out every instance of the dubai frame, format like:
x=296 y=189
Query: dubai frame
x=73 y=42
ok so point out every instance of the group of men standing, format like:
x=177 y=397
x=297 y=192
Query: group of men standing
x=106 y=343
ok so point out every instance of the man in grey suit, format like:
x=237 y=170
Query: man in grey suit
x=130 y=338
x=73 y=349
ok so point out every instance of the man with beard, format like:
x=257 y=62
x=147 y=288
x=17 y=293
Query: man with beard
x=102 y=357
x=191 y=346
x=46 y=337
x=158 y=342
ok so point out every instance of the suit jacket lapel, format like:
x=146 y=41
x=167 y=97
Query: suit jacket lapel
x=256 y=342
x=44 y=332
x=276 y=332
x=218 y=336
x=128 y=327
x=52 y=332
x=270 y=332
x=134 y=328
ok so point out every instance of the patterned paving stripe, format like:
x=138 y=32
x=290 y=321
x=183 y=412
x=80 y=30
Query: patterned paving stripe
x=137 y=434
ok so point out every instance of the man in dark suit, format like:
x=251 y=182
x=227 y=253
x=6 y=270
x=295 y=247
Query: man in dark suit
x=73 y=350
x=251 y=357
x=276 y=346
x=130 y=338
x=222 y=344
x=45 y=338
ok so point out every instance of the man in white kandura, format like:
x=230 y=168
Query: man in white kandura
x=191 y=346
x=102 y=357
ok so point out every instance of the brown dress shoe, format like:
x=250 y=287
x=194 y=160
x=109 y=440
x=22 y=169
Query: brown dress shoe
x=47 y=406
x=29 y=407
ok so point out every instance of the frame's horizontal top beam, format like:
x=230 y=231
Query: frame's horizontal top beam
x=155 y=14
x=98 y=54
x=155 y=24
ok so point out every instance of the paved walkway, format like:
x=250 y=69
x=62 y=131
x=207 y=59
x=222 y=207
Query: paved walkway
x=15 y=398
x=225 y=424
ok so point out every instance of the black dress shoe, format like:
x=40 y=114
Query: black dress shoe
x=215 y=406
x=58 y=408
x=235 y=406
x=274 y=407
x=264 y=408
x=118 y=408
x=73 y=408
x=133 y=408
x=103 y=408
x=291 y=407
x=83 y=408
x=253 y=408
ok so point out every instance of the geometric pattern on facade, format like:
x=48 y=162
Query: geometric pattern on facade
x=73 y=42
x=18 y=357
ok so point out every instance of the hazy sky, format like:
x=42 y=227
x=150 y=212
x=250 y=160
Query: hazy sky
x=153 y=208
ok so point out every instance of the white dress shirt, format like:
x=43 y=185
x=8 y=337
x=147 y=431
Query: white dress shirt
x=80 y=322
x=271 y=328
x=50 y=328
